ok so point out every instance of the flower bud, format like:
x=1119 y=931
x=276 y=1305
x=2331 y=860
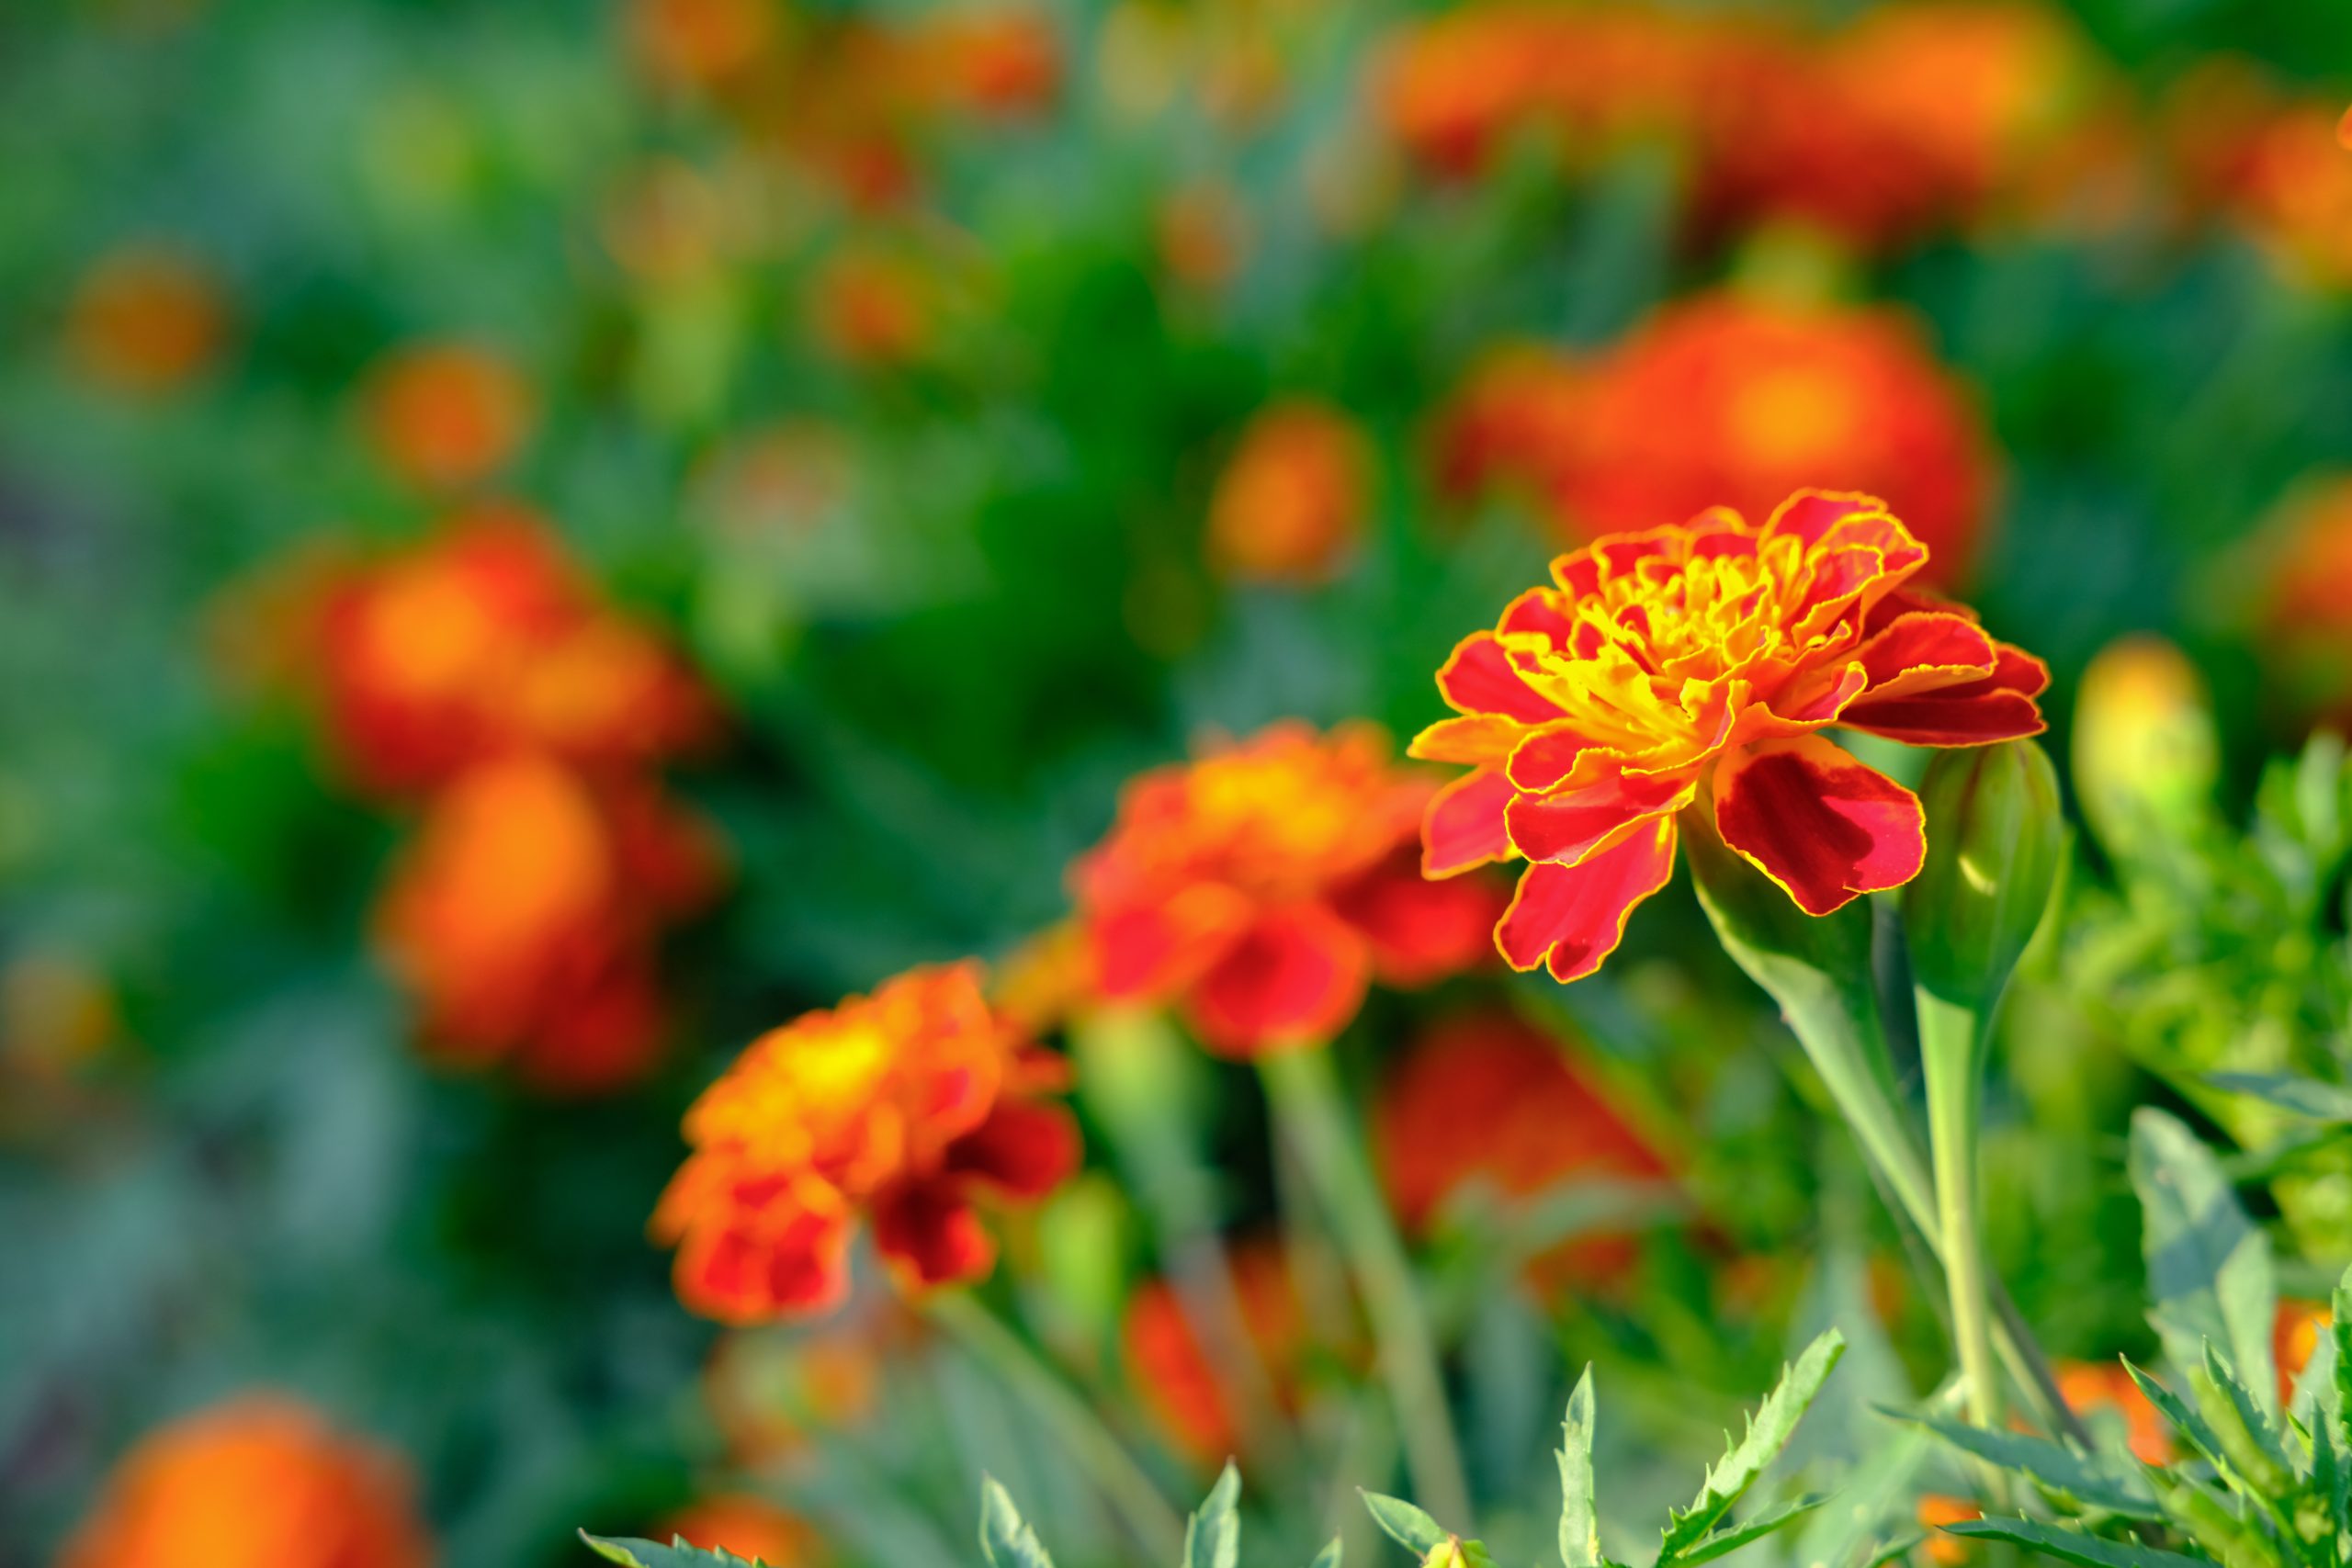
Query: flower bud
x=1995 y=834
x=1759 y=926
x=2146 y=757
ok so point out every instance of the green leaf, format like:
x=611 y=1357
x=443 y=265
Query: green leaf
x=2251 y=1442
x=2072 y=1546
x=653 y=1554
x=1213 y=1535
x=2185 y=1420
x=1768 y=1432
x=2339 y=1330
x=1880 y=1556
x=2209 y=1266
x=1329 y=1557
x=2071 y=1477
x=2315 y=1098
x=1407 y=1526
x=1005 y=1539
x=1733 y=1537
x=1579 y=1525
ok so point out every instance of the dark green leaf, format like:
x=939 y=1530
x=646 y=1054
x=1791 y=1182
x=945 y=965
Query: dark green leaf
x=2070 y=1476
x=2072 y=1546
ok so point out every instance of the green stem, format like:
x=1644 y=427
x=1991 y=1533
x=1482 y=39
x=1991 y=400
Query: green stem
x=1304 y=1091
x=1084 y=1440
x=1949 y=1050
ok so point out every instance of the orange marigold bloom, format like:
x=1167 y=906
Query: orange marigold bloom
x=2297 y=194
x=524 y=917
x=2295 y=1332
x=869 y=308
x=2305 y=626
x=900 y=1109
x=1516 y=422
x=1725 y=401
x=1937 y=1511
x=1489 y=1098
x=1263 y=886
x=1002 y=62
x=699 y=43
x=1185 y=1388
x=750 y=1527
x=1688 y=668
x=146 y=320
x=2091 y=1388
x=1291 y=504
x=444 y=416
x=484 y=640
x=260 y=1479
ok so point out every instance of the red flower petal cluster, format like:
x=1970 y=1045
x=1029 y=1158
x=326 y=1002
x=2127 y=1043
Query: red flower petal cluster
x=1689 y=668
x=260 y=1479
x=1263 y=888
x=899 y=1110
x=524 y=917
x=1725 y=399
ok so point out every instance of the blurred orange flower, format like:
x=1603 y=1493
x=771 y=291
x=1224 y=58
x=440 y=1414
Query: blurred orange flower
x=1290 y=503
x=2091 y=1388
x=484 y=639
x=260 y=1479
x=899 y=1110
x=1188 y=1394
x=1001 y=60
x=1263 y=886
x=1516 y=423
x=699 y=43
x=870 y=308
x=2304 y=624
x=447 y=416
x=525 y=914
x=1720 y=399
x=2295 y=1332
x=1935 y=1512
x=1688 y=668
x=145 y=320
x=771 y=1391
x=750 y=1527
x=2297 y=194
x=1486 y=1097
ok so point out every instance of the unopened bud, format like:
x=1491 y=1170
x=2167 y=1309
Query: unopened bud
x=2146 y=757
x=1995 y=834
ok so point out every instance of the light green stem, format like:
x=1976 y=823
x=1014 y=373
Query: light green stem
x=1948 y=1051
x=1304 y=1093
x=1084 y=1440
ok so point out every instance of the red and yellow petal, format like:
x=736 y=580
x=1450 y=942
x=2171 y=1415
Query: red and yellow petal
x=1463 y=825
x=1822 y=825
x=931 y=1236
x=1479 y=739
x=1923 y=652
x=1421 y=930
x=1571 y=918
x=1999 y=706
x=1147 y=950
x=1295 y=978
x=1025 y=1149
x=1479 y=678
x=1572 y=824
x=779 y=1249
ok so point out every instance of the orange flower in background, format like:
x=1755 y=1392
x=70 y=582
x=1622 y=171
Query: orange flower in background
x=1263 y=888
x=145 y=320
x=1489 y=1098
x=898 y=1111
x=524 y=917
x=1290 y=503
x=2306 y=620
x=1936 y=1511
x=1690 y=668
x=2295 y=1332
x=444 y=416
x=870 y=308
x=1185 y=1390
x=2296 y=195
x=484 y=639
x=1204 y=233
x=1725 y=401
x=2093 y=1389
x=257 y=1480
x=750 y=1527
x=1002 y=61
x=771 y=1392
x=699 y=43
x=1516 y=422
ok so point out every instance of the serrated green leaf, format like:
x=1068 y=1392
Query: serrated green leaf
x=2068 y=1475
x=1329 y=1557
x=2209 y=1265
x=1407 y=1526
x=1213 y=1535
x=1768 y=1431
x=2315 y=1098
x=1879 y=1557
x=1579 y=1525
x=2185 y=1420
x=2339 y=1331
x=2254 y=1445
x=2089 y=1550
x=1006 y=1538
x=1731 y=1538
x=632 y=1554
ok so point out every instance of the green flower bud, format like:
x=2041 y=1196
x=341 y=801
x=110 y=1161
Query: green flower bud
x=1995 y=835
x=2146 y=757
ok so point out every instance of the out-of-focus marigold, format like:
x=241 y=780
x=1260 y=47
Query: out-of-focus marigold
x=1689 y=668
x=2295 y=1330
x=2096 y=1390
x=2305 y=626
x=1937 y=1510
x=1182 y=1385
x=525 y=913
x=447 y=416
x=1486 y=1097
x=700 y=43
x=871 y=308
x=260 y=1479
x=749 y=1526
x=145 y=320
x=898 y=1110
x=1002 y=61
x=1263 y=886
x=1290 y=503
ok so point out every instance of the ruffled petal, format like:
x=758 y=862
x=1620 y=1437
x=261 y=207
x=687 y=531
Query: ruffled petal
x=931 y=1236
x=1924 y=651
x=1999 y=706
x=1463 y=825
x=1421 y=930
x=1480 y=739
x=1147 y=951
x=1478 y=678
x=1025 y=1149
x=1568 y=827
x=1570 y=918
x=756 y=1246
x=1295 y=978
x=1822 y=825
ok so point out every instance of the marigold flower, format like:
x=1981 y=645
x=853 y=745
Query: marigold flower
x=444 y=416
x=1485 y=1097
x=1290 y=503
x=1726 y=401
x=899 y=1110
x=869 y=308
x=1263 y=886
x=1936 y=1511
x=2295 y=1331
x=2296 y=194
x=2305 y=622
x=259 y=1479
x=1688 y=668
x=1000 y=61
x=2094 y=1388
x=523 y=916
x=145 y=320
x=750 y=1527
x=1183 y=1385
x=699 y=43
